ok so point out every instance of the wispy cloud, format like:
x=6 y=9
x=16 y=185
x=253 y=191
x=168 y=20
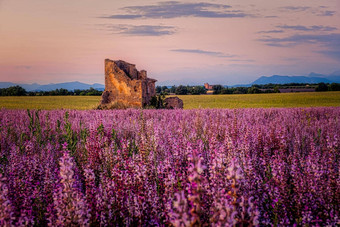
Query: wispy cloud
x=141 y=30
x=300 y=39
x=204 y=52
x=230 y=57
x=331 y=53
x=295 y=8
x=270 y=31
x=326 y=13
x=272 y=16
x=174 y=9
x=307 y=28
x=314 y=28
x=26 y=67
x=329 y=42
x=242 y=60
x=322 y=11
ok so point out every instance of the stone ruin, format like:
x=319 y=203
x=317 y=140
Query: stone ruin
x=125 y=86
x=173 y=103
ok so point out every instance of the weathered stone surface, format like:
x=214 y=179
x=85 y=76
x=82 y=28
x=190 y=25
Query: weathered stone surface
x=125 y=85
x=173 y=103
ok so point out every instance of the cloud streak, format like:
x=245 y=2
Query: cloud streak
x=175 y=9
x=329 y=39
x=305 y=28
x=26 y=67
x=204 y=52
x=327 y=13
x=321 y=11
x=230 y=57
x=330 y=42
x=142 y=30
x=295 y=8
x=270 y=31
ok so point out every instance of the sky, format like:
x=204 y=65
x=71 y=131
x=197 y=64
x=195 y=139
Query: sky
x=178 y=42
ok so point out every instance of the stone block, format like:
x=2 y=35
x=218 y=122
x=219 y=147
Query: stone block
x=173 y=103
x=125 y=84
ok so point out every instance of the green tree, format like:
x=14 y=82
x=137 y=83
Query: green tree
x=77 y=91
x=334 y=87
x=197 y=90
x=157 y=101
x=164 y=88
x=253 y=90
x=321 y=87
x=181 y=90
x=93 y=92
x=217 y=89
x=13 y=91
x=173 y=89
x=158 y=89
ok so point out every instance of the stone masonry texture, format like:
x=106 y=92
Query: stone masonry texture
x=126 y=85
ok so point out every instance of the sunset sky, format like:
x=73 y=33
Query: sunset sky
x=177 y=42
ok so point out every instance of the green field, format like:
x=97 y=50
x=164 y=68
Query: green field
x=50 y=102
x=311 y=99
x=306 y=99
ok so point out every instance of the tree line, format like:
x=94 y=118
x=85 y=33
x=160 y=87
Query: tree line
x=181 y=90
x=178 y=90
x=254 y=89
x=19 y=91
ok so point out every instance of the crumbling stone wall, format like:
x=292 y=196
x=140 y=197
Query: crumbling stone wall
x=173 y=103
x=126 y=85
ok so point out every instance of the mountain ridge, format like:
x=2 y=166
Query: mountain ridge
x=278 y=79
x=274 y=79
x=53 y=86
x=312 y=78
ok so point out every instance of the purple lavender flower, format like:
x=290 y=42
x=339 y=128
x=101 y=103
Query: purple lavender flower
x=69 y=203
x=6 y=210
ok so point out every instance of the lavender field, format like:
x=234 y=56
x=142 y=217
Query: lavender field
x=212 y=167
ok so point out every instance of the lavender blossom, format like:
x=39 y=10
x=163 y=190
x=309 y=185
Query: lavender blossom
x=208 y=167
x=6 y=210
x=69 y=203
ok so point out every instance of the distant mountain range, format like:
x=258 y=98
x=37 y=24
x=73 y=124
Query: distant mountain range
x=312 y=78
x=49 y=87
